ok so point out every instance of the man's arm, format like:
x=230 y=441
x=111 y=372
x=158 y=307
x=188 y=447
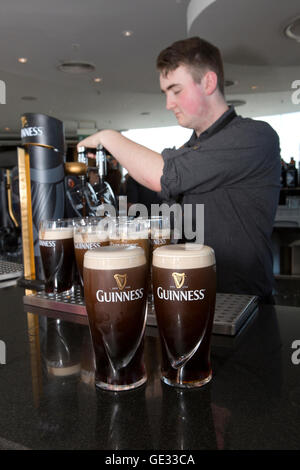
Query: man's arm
x=143 y=164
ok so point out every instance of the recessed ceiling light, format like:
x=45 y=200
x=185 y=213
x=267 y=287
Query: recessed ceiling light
x=127 y=33
x=292 y=31
x=229 y=82
x=76 y=67
x=236 y=103
x=28 y=98
x=97 y=79
x=22 y=60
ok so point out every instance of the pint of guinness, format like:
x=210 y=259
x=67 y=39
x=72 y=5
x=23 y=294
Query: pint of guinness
x=57 y=253
x=127 y=231
x=88 y=235
x=184 y=287
x=115 y=291
x=160 y=232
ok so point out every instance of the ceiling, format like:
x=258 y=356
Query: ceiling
x=259 y=59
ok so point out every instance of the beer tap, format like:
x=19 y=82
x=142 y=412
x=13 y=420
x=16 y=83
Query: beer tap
x=88 y=199
x=76 y=193
x=104 y=193
x=82 y=158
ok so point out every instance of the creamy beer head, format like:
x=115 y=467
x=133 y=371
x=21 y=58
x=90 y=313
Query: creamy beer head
x=56 y=233
x=183 y=256
x=90 y=230
x=89 y=235
x=127 y=229
x=114 y=257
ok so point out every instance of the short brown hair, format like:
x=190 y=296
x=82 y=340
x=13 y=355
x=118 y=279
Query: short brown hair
x=197 y=54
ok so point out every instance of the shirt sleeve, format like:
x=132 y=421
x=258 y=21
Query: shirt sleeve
x=219 y=162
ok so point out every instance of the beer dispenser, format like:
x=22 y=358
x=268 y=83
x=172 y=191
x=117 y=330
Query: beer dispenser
x=41 y=173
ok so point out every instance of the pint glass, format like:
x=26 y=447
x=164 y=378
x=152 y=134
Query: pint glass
x=160 y=232
x=184 y=287
x=128 y=231
x=88 y=235
x=115 y=291
x=57 y=253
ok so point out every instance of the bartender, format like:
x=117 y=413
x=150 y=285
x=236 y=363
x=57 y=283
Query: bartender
x=230 y=164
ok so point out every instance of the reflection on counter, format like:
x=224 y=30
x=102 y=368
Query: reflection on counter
x=48 y=398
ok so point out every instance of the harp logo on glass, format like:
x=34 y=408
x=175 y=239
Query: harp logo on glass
x=2 y=92
x=2 y=352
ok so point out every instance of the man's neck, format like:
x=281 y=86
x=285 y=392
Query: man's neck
x=213 y=114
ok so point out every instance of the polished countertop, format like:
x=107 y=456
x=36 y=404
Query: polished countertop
x=48 y=399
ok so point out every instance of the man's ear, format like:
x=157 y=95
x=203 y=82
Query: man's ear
x=210 y=82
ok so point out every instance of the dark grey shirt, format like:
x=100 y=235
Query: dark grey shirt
x=233 y=168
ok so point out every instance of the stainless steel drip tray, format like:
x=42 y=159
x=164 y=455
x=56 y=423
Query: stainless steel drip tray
x=231 y=313
x=69 y=303
x=9 y=270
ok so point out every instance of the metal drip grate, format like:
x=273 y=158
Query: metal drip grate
x=10 y=270
x=231 y=312
x=72 y=302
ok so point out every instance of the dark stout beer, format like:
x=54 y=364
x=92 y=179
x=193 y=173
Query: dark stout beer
x=130 y=232
x=86 y=238
x=160 y=232
x=184 y=287
x=57 y=253
x=115 y=291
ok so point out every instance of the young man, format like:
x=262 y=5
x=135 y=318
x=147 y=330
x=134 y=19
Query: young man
x=230 y=164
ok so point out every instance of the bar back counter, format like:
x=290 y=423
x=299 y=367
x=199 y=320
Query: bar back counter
x=48 y=399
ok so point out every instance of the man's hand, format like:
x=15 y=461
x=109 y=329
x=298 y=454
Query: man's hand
x=91 y=142
x=143 y=164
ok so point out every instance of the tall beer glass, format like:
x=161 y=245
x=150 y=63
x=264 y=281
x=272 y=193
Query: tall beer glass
x=160 y=232
x=57 y=253
x=184 y=286
x=115 y=291
x=89 y=234
x=128 y=231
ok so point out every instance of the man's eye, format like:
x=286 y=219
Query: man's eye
x=176 y=92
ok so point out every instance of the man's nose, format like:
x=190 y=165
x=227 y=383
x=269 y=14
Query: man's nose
x=169 y=103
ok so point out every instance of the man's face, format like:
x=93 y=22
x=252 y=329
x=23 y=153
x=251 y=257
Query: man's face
x=185 y=98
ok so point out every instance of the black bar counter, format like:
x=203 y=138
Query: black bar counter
x=48 y=399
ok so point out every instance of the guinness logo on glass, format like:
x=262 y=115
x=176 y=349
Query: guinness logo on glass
x=121 y=280
x=179 y=279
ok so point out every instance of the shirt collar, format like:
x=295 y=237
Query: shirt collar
x=214 y=128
